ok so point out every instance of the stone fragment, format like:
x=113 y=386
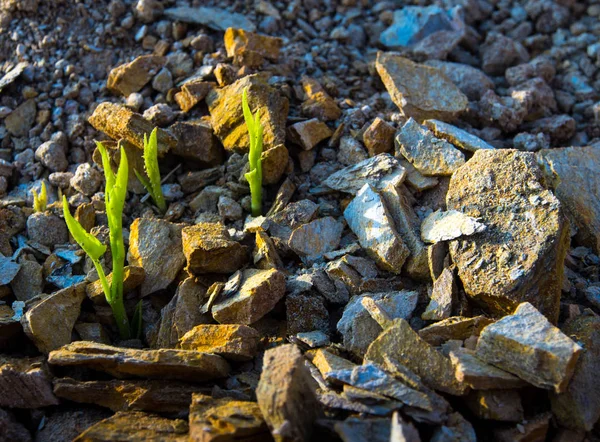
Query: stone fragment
x=12 y=429
x=25 y=383
x=327 y=362
x=21 y=119
x=458 y=137
x=118 y=122
x=416 y=179
x=378 y=171
x=313 y=339
x=534 y=429
x=456 y=428
x=132 y=77
x=442 y=297
x=208 y=249
x=351 y=151
x=578 y=407
x=421 y=92
x=572 y=169
x=184 y=365
x=523 y=342
x=133 y=276
x=265 y=255
x=155 y=245
x=215 y=18
x=47 y=229
x=132 y=425
x=49 y=324
x=307 y=134
x=379 y=137
x=499 y=52
x=454 y=328
x=52 y=155
x=163 y=81
x=357 y=327
x=318 y=103
x=520 y=255
x=346 y=281
x=371 y=222
x=402 y=344
x=505 y=112
x=428 y=154
x=92 y=331
x=192 y=93
x=86 y=180
x=354 y=429
x=481 y=376
x=260 y=290
x=233 y=342
x=286 y=394
x=559 y=128
x=313 y=239
x=128 y=395
x=471 y=81
x=274 y=163
x=283 y=222
x=445 y=226
x=239 y=40
x=160 y=114
x=306 y=312
x=196 y=142
x=8 y=270
x=224 y=419
x=8 y=78
x=28 y=282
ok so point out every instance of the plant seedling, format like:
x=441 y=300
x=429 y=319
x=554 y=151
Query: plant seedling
x=254 y=177
x=115 y=193
x=152 y=183
x=40 y=202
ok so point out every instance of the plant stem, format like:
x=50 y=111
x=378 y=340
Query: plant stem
x=256 y=195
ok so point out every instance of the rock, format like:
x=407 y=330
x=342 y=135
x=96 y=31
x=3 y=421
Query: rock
x=260 y=290
x=25 y=383
x=428 y=154
x=559 y=128
x=454 y=328
x=21 y=119
x=265 y=253
x=313 y=239
x=92 y=331
x=128 y=395
x=208 y=249
x=192 y=93
x=215 y=18
x=282 y=223
x=510 y=262
x=49 y=324
x=307 y=134
x=184 y=365
x=11 y=428
x=351 y=151
x=354 y=429
x=229 y=208
x=52 y=156
x=233 y=342
x=318 y=103
x=446 y=226
x=421 y=92
x=132 y=77
x=148 y=10
x=402 y=344
x=523 y=342
x=13 y=74
x=86 y=180
x=536 y=96
x=379 y=137
x=214 y=420
x=118 y=122
x=133 y=276
x=497 y=405
x=570 y=170
x=531 y=143
x=481 y=376
x=160 y=114
x=28 y=282
x=8 y=270
x=286 y=394
x=456 y=136
x=578 y=407
x=505 y=112
x=274 y=164
x=196 y=142
x=239 y=40
x=471 y=81
x=155 y=245
x=416 y=179
x=163 y=81
x=306 y=312
x=442 y=297
x=378 y=171
x=180 y=64
x=371 y=222
x=313 y=339
x=499 y=52
x=327 y=362
x=535 y=428
x=47 y=229
x=136 y=425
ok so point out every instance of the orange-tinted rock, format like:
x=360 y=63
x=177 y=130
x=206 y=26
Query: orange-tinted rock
x=233 y=342
x=132 y=77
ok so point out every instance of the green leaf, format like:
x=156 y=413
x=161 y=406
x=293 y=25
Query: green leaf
x=108 y=173
x=144 y=182
x=152 y=170
x=88 y=242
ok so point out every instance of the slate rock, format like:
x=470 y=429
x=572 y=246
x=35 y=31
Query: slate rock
x=379 y=137
x=196 y=142
x=132 y=77
x=8 y=270
x=306 y=312
x=25 y=383
x=318 y=103
x=453 y=328
x=307 y=134
x=52 y=156
x=443 y=295
x=458 y=137
x=479 y=375
x=133 y=276
x=445 y=226
x=240 y=40
x=316 y=237
x=12 y=429
x=21 y=119
x=192 y=93
x=231 y=341
x=28 y=282
x=499 y=52
x=471 y=81
x=214 y=18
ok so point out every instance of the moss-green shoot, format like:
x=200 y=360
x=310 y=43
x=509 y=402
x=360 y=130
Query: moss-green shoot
x=255 y=133
x=152 y=183
x=40 y=202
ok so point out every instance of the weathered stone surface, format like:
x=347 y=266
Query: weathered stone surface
x=442 y=297
x=458 y=137
x=572 y=169
x=446 y=226
x=327 y=362
x=192 y=93
x=92 y=331
x=49 y=324
x=136 y=425
x=455 y=328
x=421 y=92
x=233 y=342
x=260 y=290
x=481 y=376
x=371 y=222
x=163 y=364
x=196 y=142
x=499 y=52
x=282 y=223
x=21 y=119
x=25 y=383
x=28 y=282
x=428 y=154
x=402 y=344
x=378 y=171
x=354 y=429
x=379 y=137
x=523 y=342
x=239 y=40
x=313 y=239
x=12 y=429
x=534 y=429
x=133 y=276
x=307 y=134
x=318 y=103
x=456 y=428
x=306 y=312
x=520 y=255
x=578 y=407
x=156 y=245
x=65 y=424
x=416 y=179
x=274 y=163
x=208 y=249
x=118 y=122
x=357 y=327
x=224 y=419
x=497 y=405
x=265 y=255
x=8 y=270
x=286 y=394
x=215 y=18
x=132 y=77
x=471 y=81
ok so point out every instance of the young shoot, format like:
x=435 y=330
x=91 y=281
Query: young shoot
x=152 y=182
x=40 y=202
x=255 y=133
x=115 y=193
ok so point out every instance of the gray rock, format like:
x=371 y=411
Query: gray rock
x=446 y=226
x=86 y=180
x=52 y=155
x=471 y=81
x=313 y=239
x=442 y=297
x=481 y=376
x=21 y=119
x=229 y=208
x=163 y=81
x=523 y=342
x=24 y=383
x=306 y=312
x=27 y=284
x=160 y=114
x=499 y=52
x=47 y=229
x=351 y=151
x=8 y=270
x=215 y=18
x=416 y=179
x=458 y=137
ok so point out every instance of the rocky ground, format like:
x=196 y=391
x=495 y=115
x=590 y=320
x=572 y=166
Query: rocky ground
x=427 y=264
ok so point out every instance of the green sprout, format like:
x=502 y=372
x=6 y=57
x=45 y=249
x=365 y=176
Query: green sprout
x=152 y=183
x=40 y=202
x=254 y=177
x=115 y=192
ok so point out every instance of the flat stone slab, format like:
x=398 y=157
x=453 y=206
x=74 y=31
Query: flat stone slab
x=232 y=341
x=215 y=18
x=445 y=226
x=479 y=375
x=458 y=137
x=25 y=383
